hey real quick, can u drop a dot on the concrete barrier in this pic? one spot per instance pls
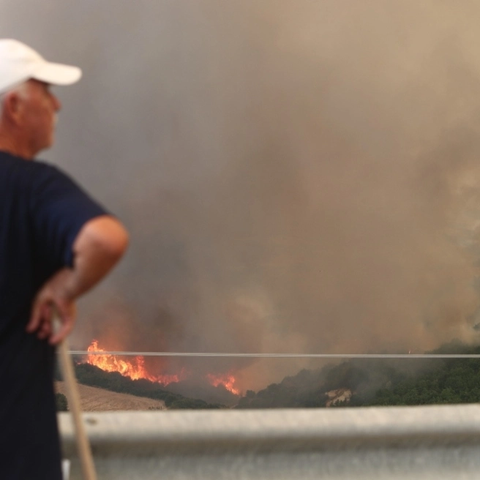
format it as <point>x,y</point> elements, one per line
<point>435,442</point>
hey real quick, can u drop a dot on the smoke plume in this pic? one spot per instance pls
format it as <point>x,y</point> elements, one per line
<point>296,176</point>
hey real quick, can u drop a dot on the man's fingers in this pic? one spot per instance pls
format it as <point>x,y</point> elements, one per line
<point>44,313</point>
<point>35,318</point>
<point>45,330</point>
<point>65,328</point>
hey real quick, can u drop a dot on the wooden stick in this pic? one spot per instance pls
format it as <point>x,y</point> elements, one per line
<point>73,398</point>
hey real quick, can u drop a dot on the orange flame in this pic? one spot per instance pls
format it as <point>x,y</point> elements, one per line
<point>134,369</point>
<point>227,380</point>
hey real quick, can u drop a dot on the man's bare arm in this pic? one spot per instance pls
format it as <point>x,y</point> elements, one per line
<point>98,247</point>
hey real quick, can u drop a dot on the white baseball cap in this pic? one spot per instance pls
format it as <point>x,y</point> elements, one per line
<point>19,62</point>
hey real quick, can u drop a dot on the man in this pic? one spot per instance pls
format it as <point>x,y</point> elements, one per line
<point>55,244</point>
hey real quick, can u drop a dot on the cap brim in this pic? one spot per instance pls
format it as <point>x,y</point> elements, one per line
<point>57,74</point>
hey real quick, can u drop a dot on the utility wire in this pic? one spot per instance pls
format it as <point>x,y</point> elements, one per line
<point>278,355</point>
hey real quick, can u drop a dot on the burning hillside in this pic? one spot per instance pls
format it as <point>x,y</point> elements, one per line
<point>135,369</point>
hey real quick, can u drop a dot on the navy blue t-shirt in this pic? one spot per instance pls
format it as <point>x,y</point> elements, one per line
<point>41,212</point>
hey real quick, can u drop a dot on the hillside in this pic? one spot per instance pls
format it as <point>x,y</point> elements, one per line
<point>358,382</point>
<point>95,399</point>
<point>113,381</point>
<point>367,382</point>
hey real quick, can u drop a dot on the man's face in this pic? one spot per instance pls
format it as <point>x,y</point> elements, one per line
<point>38,115</point>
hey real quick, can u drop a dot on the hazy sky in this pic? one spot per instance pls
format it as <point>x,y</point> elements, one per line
<point>297,176</point>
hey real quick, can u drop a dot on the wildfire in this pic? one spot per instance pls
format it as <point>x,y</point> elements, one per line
<point>227,380</point>
<point>134,369</point>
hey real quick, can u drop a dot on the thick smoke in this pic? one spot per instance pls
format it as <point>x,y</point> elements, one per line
<point>297,176</point>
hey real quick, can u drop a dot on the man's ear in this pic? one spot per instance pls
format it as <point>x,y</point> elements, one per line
<point>12,107</point>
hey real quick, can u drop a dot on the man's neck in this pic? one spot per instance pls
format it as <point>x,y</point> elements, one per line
<point>9,145</point>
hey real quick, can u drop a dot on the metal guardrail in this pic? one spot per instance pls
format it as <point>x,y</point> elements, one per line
<point>441,442</point>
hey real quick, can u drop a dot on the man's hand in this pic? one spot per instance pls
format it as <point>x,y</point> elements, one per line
<point>53,300</point>
<point>97,248</point>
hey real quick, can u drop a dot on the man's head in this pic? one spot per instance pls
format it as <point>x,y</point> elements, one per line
<point>27,106</point>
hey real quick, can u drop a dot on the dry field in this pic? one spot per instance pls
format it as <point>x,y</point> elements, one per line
<point>98,400</point>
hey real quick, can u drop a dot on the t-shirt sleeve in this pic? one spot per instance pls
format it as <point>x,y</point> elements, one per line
<point>59,209</point>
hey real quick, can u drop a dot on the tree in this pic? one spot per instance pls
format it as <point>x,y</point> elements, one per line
<point>61,402</point>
